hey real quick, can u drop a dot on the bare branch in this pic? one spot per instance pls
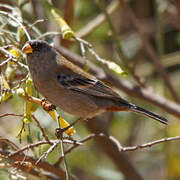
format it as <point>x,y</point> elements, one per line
<point>41,165</point>
<point>42,130</point>
<point>93,24</point>
<point>149,144</point>
<point>149,50</point>
<point>30,146</point>
<point>16,20</point>
<point>10,114</point>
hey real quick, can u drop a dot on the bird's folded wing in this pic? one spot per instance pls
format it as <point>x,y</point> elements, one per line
<point>93,87</point>
<point>74,78</point>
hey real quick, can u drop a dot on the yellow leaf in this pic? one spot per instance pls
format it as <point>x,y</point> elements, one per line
<point>65,124</point>
<point>67,32</point>
<point>29,86</point>
<point>116,68</point>
<point>27,113</point>
<point>20,34</point>
<point>62,122</point>
<point>6,94</point>
<point>52,114</point>
<point>14,52</point>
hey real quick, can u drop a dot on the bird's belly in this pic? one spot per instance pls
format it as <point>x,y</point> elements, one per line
<point>69,101</point>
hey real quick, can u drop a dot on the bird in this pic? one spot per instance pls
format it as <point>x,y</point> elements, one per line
<point>72,89</point>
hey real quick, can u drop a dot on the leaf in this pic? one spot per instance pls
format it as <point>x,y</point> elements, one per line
<point>65,124</point>
<point>27,113</point>
<point>52,114</point>
<point>14,52</point>
<point>67,32</point>
<point>6,94</point>
<point>62,123</point>
<point>116,68</point>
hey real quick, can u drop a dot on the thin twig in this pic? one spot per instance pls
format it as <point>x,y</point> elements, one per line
<point>10,114</point>
<point>5,62</point>
<point>6,6</point>
<point>49,34</point>
<point>73,147</point>
<point>42,130</point>
<point>36,22</point>
<point>20,64</point>
<point>149,50</point>
<point>97,21</point>
<point>44,155</point>
<point>7,141</point>
<point>111,65</point>
<point>46,167</point>
<point>20,82</point>
<point>121,149</point>
<point>20,132</point>
<point>118,46</point>
<point>11,58</point>
<point>149,144</point>
<point>33,99</point>
<point>65,162</point>
<point>60,137</point>
<point>16,20</point>
<point>29,146</point>
<point>6,51</point>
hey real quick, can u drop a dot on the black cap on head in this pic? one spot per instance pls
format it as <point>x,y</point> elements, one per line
<point>39,45</point>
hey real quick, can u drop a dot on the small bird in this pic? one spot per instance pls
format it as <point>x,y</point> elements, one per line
<point>69,87</point>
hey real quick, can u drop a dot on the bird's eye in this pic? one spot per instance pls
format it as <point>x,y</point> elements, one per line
<point>61,77</point>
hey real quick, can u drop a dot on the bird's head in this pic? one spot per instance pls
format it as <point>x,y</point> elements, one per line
<point>36,46</point>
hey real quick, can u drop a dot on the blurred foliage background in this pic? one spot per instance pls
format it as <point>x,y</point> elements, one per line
<point>123,40</point>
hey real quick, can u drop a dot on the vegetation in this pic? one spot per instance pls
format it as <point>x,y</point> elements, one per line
<point>133,46</point>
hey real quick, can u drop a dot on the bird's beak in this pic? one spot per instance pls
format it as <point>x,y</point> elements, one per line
<point>27,48</point>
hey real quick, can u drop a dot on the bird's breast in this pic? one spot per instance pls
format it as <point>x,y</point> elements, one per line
<point>74,103</point>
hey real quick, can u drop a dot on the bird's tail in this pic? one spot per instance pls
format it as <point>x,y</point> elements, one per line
<point>152,115</point>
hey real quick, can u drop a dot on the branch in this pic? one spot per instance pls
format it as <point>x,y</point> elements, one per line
<point>30,146</point>
<point>111,147</point>
<point>10,114</point>
<point>149,144</point>
<point>44,166</point>
<point>19,23</point>
<point>93,24</point>
<point>91,136</point>
<point>146,94</point>
<point>121,149</point>
<point>42,130</point>
<point>149,50</point>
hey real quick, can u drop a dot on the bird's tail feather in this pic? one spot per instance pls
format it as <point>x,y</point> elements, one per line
<point>152,115</point>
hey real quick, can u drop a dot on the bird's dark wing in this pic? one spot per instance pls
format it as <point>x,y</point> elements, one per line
<point>88,86</point>
<point>85,85</point>
<point>74,78</point>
